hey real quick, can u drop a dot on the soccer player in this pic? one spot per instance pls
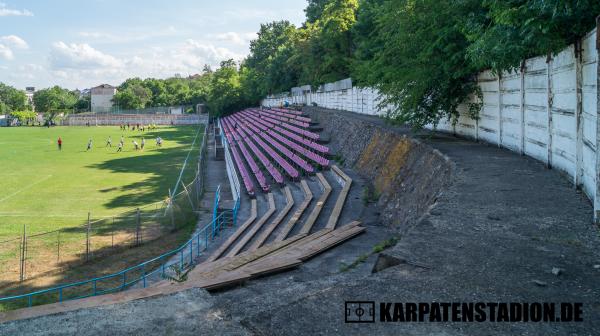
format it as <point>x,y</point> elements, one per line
<point>89,146</point>
<point>109,142</point>
<point>143,143</point>
<point>135,145</point>
<point>120,149</point>
<point>59,143</point>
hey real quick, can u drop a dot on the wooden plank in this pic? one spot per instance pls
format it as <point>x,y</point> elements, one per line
<point>339,204</point>
<point>264,268</point>
<point>240,245</point>
<point>223,280</point>
<point>312,218</point>
<point>236,234</point>
<point>269,229</point>
<point>333,242</point>
<point>292,221</point>
<point>262,252</point>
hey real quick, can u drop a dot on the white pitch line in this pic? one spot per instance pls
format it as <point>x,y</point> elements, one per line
<point>25,188</point>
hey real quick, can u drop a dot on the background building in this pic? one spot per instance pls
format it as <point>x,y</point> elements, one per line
<point>29,91</point>
<point>102,96</point>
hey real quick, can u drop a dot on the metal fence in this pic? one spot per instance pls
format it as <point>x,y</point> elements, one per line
<point>167,265</point>
<point>32,255</point>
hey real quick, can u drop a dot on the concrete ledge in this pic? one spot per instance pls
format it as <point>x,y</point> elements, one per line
<point>237,248</point>
<point>292,221</point>
<point>341,200</point>
<point>312,218</point>
<point>269,229</point>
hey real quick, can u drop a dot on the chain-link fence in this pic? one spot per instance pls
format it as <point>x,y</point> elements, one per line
<point>33,255</point>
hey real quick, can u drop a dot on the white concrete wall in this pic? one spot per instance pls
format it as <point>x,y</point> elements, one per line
<point>546,110</point>
<point>102,102</point>
<point>118,119</point>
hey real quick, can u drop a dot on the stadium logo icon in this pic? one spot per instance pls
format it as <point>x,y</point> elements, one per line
<point>360,312</point>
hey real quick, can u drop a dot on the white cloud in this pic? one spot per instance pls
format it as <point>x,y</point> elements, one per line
<point>8,44</point>
<point>241,39</point>
<point>4,11</point>
<point>28,71</point>
<point>80,56</point>
<point>6,53</point>
<point>130,36</point>
<point>196,54</point>
<point>94,35</point>
<point>14,41</point>
<point>81,65</point>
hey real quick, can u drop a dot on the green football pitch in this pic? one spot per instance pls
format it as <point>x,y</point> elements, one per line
<point>46,189</point>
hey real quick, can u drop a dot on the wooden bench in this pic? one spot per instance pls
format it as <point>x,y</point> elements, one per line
<point>312,218</point>
<point>285,231</point>
<point>284,258</point>
<point>240,245</point>
<point>341,200</point>
<point>269,229</point>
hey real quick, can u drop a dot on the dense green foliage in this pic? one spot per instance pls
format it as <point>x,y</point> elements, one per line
<point>12,99</point>
<point>24,117</point>
<point>220,90</point>
<point>423,55</point>
<point>55,100</point>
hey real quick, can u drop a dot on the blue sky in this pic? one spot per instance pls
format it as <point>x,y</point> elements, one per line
<point>80,44</point>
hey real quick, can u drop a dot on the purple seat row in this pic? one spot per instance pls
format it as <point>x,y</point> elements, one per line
<point>304,121</point>
<point>298,130</point>
<point>263,159</point>
<point>299,139</point>
<point>238,161</point>
<point>260,177</point>
<point>266,127</point>
<point>291,171</point>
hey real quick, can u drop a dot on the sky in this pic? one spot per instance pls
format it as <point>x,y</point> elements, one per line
<point>81,44</point>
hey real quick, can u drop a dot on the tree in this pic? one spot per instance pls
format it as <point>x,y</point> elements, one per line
<point>314,10</point>
<point>54,100</point>
<point>421,68</point>
<point>502,33</point>
<point>225,95</point>
<point>335,39</point>
<point>365,39</point>
<point>12,99</point>
<point>24,117</point>
<point>83,103</point>
<point>268,59</point>
<point>323,48</point>
<point>133,96</point>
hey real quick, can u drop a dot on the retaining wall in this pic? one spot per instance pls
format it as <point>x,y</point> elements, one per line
<point>546,110</point>
<point>406,175</point>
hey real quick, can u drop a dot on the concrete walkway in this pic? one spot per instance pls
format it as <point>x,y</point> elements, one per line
<point>494,236</point>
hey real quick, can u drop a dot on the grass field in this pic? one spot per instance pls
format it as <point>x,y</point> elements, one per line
<point>46,189</point>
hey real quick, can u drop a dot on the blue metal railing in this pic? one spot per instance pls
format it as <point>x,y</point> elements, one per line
<point>139,274</point>
<point>216,204</point>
